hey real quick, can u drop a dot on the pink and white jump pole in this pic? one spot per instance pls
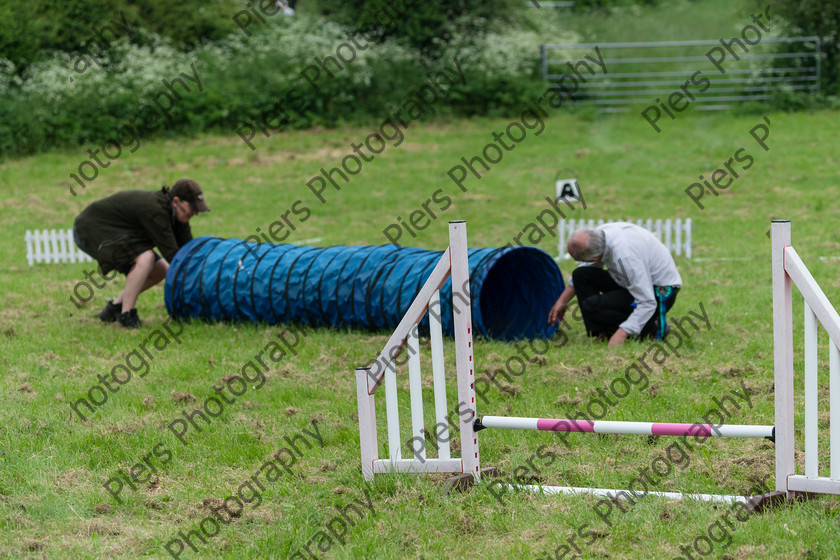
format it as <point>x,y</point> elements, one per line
<point>615,427</point>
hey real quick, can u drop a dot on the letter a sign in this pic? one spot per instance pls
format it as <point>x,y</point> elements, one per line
<point>567,190</point>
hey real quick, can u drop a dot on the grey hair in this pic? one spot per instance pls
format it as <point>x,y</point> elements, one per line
<point>586,244</point>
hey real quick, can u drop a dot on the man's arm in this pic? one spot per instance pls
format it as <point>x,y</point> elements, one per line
<point>558,310</point>
<point>159,229</point>
<point>183,234</point>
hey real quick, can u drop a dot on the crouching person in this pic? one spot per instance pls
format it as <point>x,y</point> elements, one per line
<point>122,231</point>
<point>631,297</point>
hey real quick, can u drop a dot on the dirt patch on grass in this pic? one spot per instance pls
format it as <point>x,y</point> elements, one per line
<point>178,397</point>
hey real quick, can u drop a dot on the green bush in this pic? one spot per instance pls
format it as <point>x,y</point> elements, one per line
<point>31,30</point>
<point>423,25</point>
<point>501,69</point>
<point>819,18</point>
<point>52,105</point>
<point>787,100</point>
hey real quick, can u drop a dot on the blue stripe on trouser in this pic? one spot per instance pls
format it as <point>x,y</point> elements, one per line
<point>662,295</point>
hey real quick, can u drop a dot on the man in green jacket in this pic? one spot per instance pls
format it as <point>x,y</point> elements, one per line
<point>122,230</point>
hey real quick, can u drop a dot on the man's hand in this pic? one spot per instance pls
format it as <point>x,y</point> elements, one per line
<point>558,310</point>
<point>618,337</point>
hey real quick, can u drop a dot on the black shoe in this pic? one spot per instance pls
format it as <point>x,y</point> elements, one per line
<point>130,320</point>
<point>110,312</point>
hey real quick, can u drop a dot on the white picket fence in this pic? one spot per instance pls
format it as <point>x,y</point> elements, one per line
<point>53,246</point>
<point>674,234</point>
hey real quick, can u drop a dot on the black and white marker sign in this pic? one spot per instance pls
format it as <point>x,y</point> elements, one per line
<point>567,190</point>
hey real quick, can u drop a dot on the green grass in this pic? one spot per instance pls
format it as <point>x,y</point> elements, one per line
<point>53,466</point>
<point>52,501</point>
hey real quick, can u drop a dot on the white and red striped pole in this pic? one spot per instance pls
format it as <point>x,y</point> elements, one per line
<point>615,427</point>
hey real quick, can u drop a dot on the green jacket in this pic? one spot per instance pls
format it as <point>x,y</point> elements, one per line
<point>120,227</point>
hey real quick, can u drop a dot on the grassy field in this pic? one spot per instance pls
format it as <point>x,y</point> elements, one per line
<point>294,434</point>
<point>55,466</point>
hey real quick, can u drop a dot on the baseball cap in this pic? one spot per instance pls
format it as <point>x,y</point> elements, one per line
<point>189,191</point>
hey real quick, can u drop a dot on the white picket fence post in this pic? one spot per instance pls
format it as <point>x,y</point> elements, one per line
<point>674,234</point>
<point>53,246</point>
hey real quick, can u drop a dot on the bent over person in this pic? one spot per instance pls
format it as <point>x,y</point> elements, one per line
<point>122,231</point>
<point>629,298</point>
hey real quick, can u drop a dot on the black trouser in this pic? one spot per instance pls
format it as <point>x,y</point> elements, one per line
<point>605,305</point>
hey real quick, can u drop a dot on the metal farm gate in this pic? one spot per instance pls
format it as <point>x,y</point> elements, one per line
<point>712,74</point>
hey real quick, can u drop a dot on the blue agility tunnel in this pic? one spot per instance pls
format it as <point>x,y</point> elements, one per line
<point>371,287</point>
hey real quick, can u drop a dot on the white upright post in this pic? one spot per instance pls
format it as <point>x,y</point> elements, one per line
<point>30,255</point>
<point>392,413</point>
<point>70,246</point>
<point>811,407</point>
<point>47,250</point>
<point>367,422</point>
<point>462,318</point>
<point>782,355</point>
<point>688,237</point>
<point>75,254</point>
<point>561,243</point>
<point>53,246</point>
<point>441,430</point>
<point>40,236</point>
<point>678,231</point>
<point>63,255</point>
<point>415,389</point>
<point>834,411</point>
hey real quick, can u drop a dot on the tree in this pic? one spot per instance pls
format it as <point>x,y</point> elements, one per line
<point>423,24</point>
<point>822,19</point>
<point>30,30</point>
